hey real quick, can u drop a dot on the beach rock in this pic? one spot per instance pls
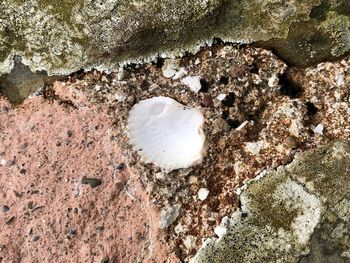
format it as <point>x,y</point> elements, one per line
<point>299,213</point>
<point>63,37</point>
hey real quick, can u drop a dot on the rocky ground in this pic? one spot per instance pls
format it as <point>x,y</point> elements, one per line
<point>73,188</point>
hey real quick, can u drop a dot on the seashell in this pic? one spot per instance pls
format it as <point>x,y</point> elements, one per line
<point>166,133</point>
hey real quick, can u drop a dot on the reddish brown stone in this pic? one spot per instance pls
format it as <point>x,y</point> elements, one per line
<point>53,216</point>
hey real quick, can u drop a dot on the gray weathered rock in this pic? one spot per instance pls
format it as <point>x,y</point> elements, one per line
<point>63,36</point>
<point>299,213</point>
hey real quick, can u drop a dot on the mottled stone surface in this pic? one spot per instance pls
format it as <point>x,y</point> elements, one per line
<point>47,148</point>
<point>259,114</point>
<point>62,37</point>
<point>281,211</point>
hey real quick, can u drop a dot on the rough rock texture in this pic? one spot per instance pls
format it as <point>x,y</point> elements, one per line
<point>62,37</point>
<point>49,150</point>
<point>325,36</point>
<point>282,210</point>
<point>259,114</point>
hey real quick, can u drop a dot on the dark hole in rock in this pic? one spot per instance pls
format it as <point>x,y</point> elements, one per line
<point>311,108</point>
<point>105,260</point>
<point>205,86</point>
<point>244,215</point>
<point>225,115</point>
<point>218,41</point>
<point>10,220</point>
<point>224,80</point>
<point>233,123</point>
<point>289,88</point>
<point>254,68</point>
<point>132,67</point>
<point>229,100</point>
<point>159,62</point>
<point>78,75</point>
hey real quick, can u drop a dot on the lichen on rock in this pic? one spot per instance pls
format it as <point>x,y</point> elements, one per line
<point>281,211</point>
<point>62,37</point>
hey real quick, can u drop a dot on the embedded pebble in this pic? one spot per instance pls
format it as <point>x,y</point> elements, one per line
<point>273,81</point>
<point>220,231</point>
<point>168,215</point>
<point>221,97</point>
<point>254,147</point>
<point>319,129</point>
<point>5,209</point>
<point>93,182</point>
<point>169,68</point>
<point>194,83</point>
<point>203,194</point>
<point>190,242</point>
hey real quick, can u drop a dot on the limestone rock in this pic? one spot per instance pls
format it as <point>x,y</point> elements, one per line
<point>63,36</point>
<point>283,210</point>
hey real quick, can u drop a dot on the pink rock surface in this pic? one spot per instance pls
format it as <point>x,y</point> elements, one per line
<point>46,148</point>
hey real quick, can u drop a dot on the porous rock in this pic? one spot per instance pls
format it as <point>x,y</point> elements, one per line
<point>65,36</point>
<point>283,210</point>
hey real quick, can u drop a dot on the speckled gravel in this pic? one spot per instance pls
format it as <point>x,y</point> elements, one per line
<point>259,113</point>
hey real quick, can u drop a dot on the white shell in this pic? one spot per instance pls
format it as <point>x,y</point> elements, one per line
<point>167,133</point>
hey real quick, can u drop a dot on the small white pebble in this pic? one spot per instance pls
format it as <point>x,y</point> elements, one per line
<point>2,162</point>
<point>168,73</point>
<point>220,231</point>
<point>273,81</point>
<point>319,129</point>
<point>190,242</point>
<point>169,68</point>
<point>340,78</point>
<point>256,79</point>
<point>203,194</point>
<point>225,220</point>
<point>197,61</point>
<point>254,147</point>
<point>194,83</point>
<point>221,97</point>
<point>179,228</point>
